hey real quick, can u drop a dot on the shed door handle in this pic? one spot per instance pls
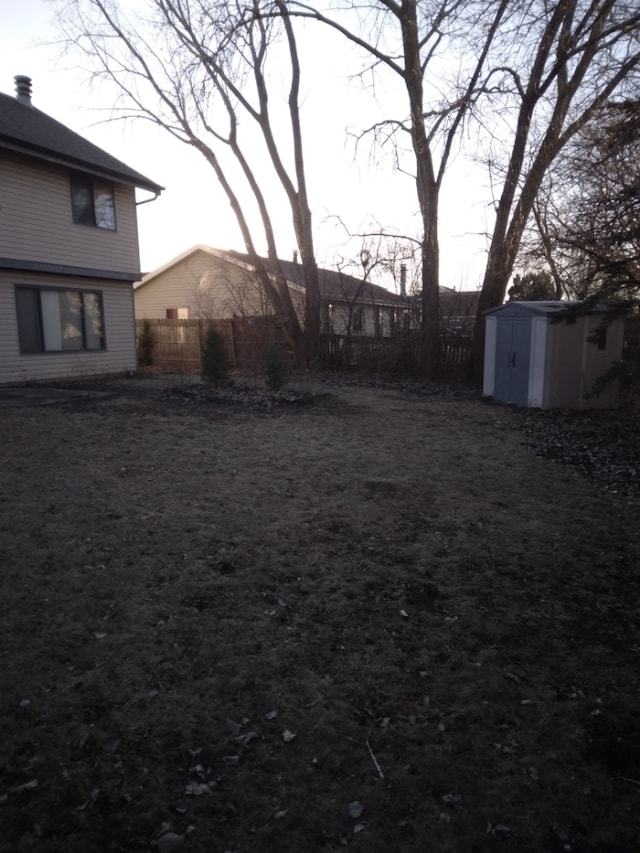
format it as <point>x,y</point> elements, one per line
<point>513,360</point>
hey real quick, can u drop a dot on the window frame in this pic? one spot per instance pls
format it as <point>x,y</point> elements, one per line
<point>85,214</point>
<point>42,321</point>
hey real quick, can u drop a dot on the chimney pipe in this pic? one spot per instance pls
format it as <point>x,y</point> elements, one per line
<point>23,89</point>
<point>403,279</point>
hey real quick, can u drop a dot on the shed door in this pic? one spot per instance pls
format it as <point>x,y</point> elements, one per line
<point>513,350</point>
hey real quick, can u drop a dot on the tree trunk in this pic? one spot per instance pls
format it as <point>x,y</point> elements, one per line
<point>427,190</point>
<point>430,325</point>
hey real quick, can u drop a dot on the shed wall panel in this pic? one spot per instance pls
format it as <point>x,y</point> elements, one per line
<point>538,358</point>
<point>488,386</point>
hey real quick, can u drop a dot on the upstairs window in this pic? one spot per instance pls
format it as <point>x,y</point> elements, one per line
<point>93,202</point>
<point>53,320</point>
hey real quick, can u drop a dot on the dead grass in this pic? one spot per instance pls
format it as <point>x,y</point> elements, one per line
<point>230,625</point>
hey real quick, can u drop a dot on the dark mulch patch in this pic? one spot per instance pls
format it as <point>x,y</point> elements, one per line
<point>240,395</point>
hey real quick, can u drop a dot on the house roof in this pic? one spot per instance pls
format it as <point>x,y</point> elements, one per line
<point>458,302</point>
<point>28,131</point>
<point>333,284</point>
<point>216,253</point>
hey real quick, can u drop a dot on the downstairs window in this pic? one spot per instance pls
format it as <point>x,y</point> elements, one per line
<point>54,320</point>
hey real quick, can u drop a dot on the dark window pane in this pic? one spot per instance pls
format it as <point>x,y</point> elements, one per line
<point>28,310</point>
<point>82,200</point>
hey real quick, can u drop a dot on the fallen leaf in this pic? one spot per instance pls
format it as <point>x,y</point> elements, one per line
<point>355,809</point>
<point>196,789</point>
<point>28,786</point>
<point>245,740</point>
<point>170,842</point>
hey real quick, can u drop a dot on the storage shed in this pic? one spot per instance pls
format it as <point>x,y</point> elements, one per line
<point>530,360</point>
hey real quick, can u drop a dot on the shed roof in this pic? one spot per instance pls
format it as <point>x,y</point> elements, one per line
<point>523,307</point>
<point>546,307</point>
<point>30,132</point>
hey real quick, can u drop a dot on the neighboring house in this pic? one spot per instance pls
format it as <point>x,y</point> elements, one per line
<point>68,249</point>
<point>206,283</point>
<point>458,309</point>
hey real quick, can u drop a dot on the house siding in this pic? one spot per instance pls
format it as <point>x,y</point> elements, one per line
<point>119,356</point>
<point>211,287</point>
<point>36,223</point>
<point>207,286</point>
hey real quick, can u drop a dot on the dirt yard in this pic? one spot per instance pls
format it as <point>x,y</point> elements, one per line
<point>373,619</point>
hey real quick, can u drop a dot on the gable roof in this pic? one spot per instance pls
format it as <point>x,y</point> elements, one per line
<point>28,131</point>
<point>333,284</point>
<point>207,250</point>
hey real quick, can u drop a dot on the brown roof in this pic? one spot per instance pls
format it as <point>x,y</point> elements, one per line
<point>459,303</point>
<point>333,283</point>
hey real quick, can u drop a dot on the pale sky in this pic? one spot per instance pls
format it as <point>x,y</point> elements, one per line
<point>193,210</point>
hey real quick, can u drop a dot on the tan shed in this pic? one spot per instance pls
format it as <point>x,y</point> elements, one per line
<point>530,360</point>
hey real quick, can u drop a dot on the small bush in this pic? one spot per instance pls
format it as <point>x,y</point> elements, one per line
<point>145,345</point>
<point>215,364</point>
<point>276,369</point>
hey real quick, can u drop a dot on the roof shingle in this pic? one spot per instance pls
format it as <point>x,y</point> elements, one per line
<point>26,130</point>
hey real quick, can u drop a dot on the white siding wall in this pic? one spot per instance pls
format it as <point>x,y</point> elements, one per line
<point>490,335</point>
<point>36,222</point>
<point>538,355</point>
<point>118,357</point>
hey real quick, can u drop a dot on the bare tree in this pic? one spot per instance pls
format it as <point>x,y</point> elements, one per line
<point>199,69</point>
<point>438,50</point>
<point>587,217</point>
<point>570,58</point>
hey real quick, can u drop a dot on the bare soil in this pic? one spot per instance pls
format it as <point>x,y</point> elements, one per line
<point>365,617</point>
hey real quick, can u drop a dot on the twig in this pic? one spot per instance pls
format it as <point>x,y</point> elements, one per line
<point>374,759</point>
<point>630,781</point>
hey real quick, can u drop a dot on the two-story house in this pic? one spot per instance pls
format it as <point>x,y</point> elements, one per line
<point>68,249</point>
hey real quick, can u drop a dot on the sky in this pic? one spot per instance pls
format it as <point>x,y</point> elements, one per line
<point>192,209</point>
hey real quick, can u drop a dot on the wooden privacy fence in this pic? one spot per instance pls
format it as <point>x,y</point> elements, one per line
<point>176,344</point>
<point>400,354</point>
